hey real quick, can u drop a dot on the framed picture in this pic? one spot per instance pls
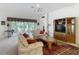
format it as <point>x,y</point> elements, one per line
<point>2,22</point>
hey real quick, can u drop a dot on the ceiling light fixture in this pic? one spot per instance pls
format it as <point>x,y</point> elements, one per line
<point>37,5</point>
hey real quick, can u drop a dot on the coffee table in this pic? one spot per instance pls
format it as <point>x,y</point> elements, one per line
<point>50,42</point>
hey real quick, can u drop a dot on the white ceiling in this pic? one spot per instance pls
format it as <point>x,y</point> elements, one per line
<point>24,9</point>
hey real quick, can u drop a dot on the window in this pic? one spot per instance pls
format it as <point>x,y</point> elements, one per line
<point>23,27</point>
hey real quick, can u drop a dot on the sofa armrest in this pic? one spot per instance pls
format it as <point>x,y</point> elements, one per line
<point>31,47</point>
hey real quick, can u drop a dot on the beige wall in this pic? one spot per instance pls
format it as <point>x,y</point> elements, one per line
<point>2,27</point>
<point>77,30</point>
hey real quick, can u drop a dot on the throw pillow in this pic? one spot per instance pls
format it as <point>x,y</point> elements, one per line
<point>25,35</point>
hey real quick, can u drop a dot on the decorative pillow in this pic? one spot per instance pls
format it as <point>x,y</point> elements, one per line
<point>25,35</point>
<point>31,41</point>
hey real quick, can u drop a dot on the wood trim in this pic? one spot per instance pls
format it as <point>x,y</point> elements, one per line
<point>20,19</point>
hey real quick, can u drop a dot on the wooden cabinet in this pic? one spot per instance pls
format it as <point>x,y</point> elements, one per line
<point>60,36</point>
<point>66,29</point>
<point>70,32</point>
<point>70,38</point>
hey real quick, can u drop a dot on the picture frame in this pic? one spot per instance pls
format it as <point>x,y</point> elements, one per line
<point>2,22</point>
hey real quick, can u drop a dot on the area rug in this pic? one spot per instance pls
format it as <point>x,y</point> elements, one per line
<point>61,50</point>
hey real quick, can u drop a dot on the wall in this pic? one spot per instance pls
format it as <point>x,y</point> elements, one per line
<point>50,25</point>
<point>47,22</point>
<point>71,11</point>
<point>43,22</point>
<point>2,27</point>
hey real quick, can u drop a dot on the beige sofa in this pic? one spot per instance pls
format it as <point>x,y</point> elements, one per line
<point>29,49</point>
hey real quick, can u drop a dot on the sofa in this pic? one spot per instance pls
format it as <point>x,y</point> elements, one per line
<point>29,49</point>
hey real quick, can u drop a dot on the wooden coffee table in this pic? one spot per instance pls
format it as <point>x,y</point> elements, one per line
<point>49,43</point>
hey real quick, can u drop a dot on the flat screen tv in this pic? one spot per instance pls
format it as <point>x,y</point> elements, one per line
<point>60,28</point>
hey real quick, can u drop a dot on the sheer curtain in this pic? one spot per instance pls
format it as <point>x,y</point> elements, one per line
<point>23,27</point>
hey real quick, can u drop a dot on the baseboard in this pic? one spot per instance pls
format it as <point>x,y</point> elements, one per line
<point>62,42</point>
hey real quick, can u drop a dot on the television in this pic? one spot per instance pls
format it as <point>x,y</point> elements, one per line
<point>60,28</point>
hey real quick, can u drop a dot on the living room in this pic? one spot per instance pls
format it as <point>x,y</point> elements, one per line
<point>36,29</point>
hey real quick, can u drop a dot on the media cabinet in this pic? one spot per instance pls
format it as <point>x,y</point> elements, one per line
<point>65,29</point>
